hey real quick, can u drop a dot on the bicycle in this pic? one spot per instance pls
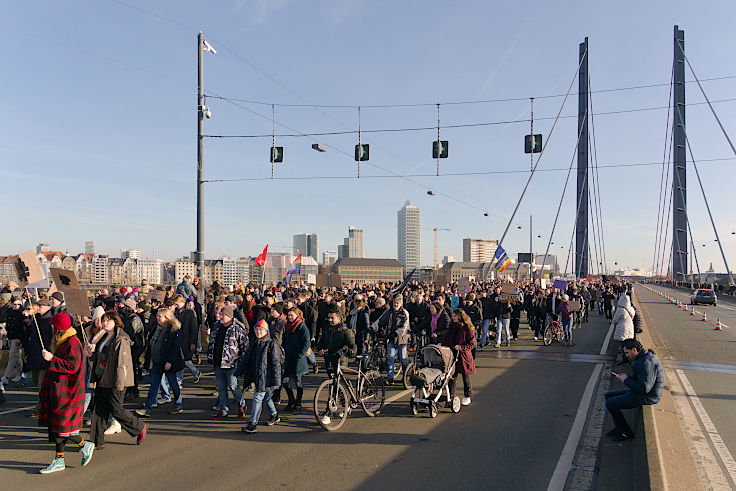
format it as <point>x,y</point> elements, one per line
<point>553,331</point>
<point>336,397</point>
<point>377,358</point>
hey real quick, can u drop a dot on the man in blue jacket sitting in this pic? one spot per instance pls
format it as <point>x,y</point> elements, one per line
<point>644,387</point>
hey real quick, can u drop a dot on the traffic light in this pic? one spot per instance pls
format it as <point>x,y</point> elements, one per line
<point>442,151</point>
<point>361,152</point>
<point>277,154</point>
<point>532,141</point>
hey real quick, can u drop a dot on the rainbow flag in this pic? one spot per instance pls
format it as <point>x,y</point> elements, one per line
<point>502,258</point>
<point>295,268</point>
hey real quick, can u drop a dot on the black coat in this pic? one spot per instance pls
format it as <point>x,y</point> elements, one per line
<point>264,365</point>
<point>310,318</point>
<point>189,330</point>
<point>14,324</point>
<point>173,348</point>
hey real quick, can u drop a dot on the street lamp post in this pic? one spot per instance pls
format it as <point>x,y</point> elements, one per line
<point>202,111</point>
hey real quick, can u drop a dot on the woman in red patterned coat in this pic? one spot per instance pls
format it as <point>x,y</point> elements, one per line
<point>61,399</point>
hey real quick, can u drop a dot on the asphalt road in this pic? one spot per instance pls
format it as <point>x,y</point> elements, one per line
<point>682,337</point>
<point>510,437</point>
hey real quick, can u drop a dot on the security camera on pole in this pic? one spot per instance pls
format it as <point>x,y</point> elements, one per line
<point>202,112</point>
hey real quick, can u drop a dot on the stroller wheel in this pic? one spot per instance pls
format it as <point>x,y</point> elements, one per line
<point>433,409</point>
<point>456,405</point>
<point>414,408</point>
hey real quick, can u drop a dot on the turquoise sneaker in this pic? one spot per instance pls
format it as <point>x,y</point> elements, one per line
<point>87,450</point>
<point>56,465</point>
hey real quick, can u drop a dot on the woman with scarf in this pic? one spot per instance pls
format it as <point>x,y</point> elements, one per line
<point>460,338</point>
<point>439,322</point>
<point>112,370</point>
<point>296,346</point>
<point>61,399</point>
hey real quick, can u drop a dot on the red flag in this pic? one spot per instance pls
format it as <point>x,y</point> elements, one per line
<point>261,259</point>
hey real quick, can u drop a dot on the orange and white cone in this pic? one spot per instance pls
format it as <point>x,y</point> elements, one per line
<point>705,317</point>
<point>692,310</point>
<point>718,325</point>
<point>684,307</point>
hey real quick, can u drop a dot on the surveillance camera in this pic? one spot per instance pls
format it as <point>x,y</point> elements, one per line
<point>207,112</point>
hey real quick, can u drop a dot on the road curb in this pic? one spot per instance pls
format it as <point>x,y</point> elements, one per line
<point>664,434</point>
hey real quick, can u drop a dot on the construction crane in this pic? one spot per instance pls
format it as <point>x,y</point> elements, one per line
<point>436,229</point>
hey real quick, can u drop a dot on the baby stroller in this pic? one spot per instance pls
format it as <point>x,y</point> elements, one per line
<point>431,381</point>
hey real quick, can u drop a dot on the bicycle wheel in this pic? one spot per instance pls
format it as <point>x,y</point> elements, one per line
<point>407,375</point>
<point>372,393</point>
<point>547,338</point>
<point>559,334</point>
<point>331,405</point>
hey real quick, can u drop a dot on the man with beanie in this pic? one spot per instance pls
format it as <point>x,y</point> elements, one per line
<point>227,351</point>
<point>276,322</point>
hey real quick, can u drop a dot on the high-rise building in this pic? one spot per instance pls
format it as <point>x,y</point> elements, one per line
<point>100,270</point>
<point>479,250</point>
<point>306,245</point>
<point>329,258</point>
<point>151,270</point>
<point>352,245</point>
<point>89,247</point>
<point>130,253</point>
<point>408,240</point>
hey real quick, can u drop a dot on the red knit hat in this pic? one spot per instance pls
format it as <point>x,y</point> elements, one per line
<point>61,321</point>
<point>123,290</point>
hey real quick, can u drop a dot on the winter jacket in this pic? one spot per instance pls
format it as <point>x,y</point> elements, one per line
<point>359,320</point>
<point>234,349</point>
<point>647,381</point>
<point>474,313</point>
<point>339,340</point>
<point>172,345</point>
<point>61,398</point>
<point>563,310</point>
<point>189,330</point>
<point>133,327</point>
<point>118,371</point>
<point>459,335</point>
<point>14,324</point>
<point>623,319</point>
<point>310,318</point>
<point>276,329</point>
<point>186,290</point>
<point>487,307</point>
<point>399,319</point>
<point>263,365</point>
<point>296,345</point>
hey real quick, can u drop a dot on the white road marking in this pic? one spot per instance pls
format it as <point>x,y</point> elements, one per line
<point>710,428</point>
<point>17,410</point>
<point>706,463</point>
<point>398,396</point>
<point>604,348</point>
<point>559,477</point>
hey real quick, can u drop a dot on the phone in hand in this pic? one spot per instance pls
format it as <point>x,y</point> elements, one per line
<point>615,374</point>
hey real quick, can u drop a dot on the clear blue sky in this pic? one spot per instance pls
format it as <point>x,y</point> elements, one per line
<point>99,128</point>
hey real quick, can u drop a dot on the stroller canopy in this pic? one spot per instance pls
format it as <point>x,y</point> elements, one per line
<point>436,356</point>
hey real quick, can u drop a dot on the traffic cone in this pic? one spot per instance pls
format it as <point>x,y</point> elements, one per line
<point>692,310</point>
<point>705,317</point>
<point>684,307</point>
<point>718,325</point>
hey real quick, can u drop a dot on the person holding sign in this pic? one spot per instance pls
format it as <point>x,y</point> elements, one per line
<point>61,400</point>
<point>37,323</point>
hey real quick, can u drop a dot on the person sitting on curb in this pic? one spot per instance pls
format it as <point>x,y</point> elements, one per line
<point>644,387</point>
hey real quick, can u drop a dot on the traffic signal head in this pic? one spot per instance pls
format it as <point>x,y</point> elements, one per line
<point>361,152</point>
<point>277,154</point>
<point>442,151</point>
<point>533,143</point>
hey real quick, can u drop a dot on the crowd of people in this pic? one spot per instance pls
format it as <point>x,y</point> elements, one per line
<point>267,336</point>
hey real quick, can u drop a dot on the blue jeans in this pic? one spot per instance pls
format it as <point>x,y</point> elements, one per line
<point>616,400</point>
<point>166,388</point>
<point>190,365</point>
<point>391,351</point>
<point>484,331</point>
<point>258,399</point>
<point>225,379</point>
<point>567,327</point>
<point>600,307</point>
<point>293,382</point>
<point>502,325</point>
<point>88,393</point>
<point>157,373</point>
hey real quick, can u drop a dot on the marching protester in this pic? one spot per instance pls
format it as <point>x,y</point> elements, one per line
<point>263,369</point>
<point>395,324</point>
<point>337,341</point>
<point>296,346</point>
<point>623,322</point>
<point>15,332</point>
<point>113,373</point>
<point>227,351</point>
<point>61,399</point>
<point>460,338</point>
<point>565,316</point>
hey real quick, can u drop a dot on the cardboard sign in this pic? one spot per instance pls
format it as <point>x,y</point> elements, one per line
<point>63,278</point>
<point>77,303</point>
<point>279,297</point>
<point>28,268</point>
<point>508,297</point>
<point>327,280</point>
<point>463,284</point>
<point>574,305</point>
<point>156,295</point>
<point>560,284</point>
<point>312,278</point>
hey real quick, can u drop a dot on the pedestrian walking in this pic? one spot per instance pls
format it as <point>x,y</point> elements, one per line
<point>461,339</point>
<point>227,351</point>
<point>263,370</point>
<point>61,399</point>
<point>296,345</point>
